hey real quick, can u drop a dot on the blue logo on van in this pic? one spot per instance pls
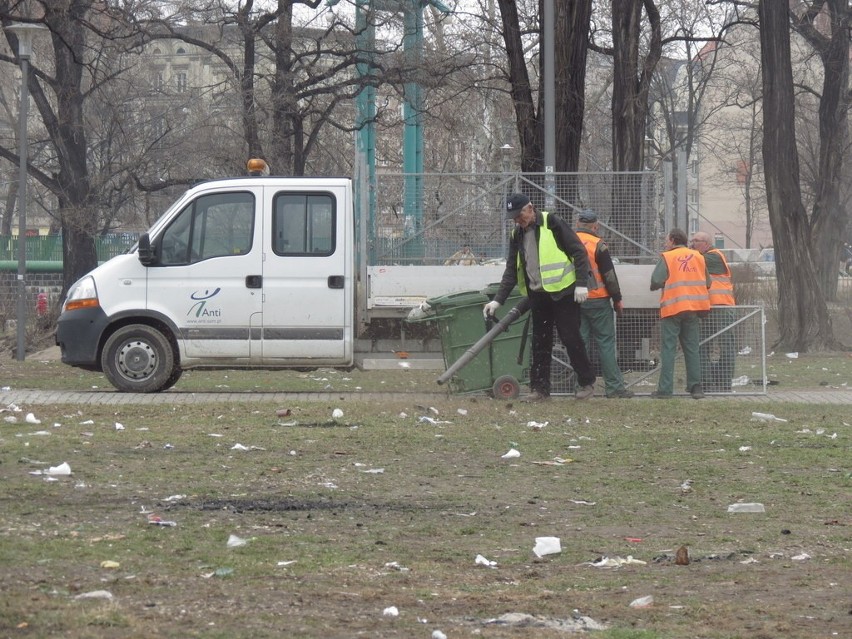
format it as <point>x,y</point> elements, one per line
<point>199,309</point>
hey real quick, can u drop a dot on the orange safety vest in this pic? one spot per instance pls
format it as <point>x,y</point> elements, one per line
<point>598,288</point>
<point>721,286</point>
<point>686,286</point>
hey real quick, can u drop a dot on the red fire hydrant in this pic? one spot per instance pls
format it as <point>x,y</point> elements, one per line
<point>41,304</point>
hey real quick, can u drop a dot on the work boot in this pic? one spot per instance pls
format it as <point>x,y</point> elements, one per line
<point>697,392</point>
<point>584,392</point>
<point>535,396</point>
<point>621,394</point>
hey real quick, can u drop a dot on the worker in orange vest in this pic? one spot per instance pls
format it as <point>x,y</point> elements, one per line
<point>682,275</point>
<point>596,318</point>
<point>717,353</point>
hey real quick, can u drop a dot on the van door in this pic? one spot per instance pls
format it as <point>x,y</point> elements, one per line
<point>307,278</point>
<point>208,275</point>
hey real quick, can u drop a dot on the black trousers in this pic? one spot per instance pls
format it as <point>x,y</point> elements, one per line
<point>564,314</point>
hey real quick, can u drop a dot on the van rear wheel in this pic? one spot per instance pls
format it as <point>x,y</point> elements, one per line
<point>138,359</point>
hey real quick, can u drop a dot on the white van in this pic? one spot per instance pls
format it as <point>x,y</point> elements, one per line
<point>253,271</point>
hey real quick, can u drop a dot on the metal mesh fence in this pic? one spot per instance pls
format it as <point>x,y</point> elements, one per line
<point>732,354</point>
<point>425,218</point>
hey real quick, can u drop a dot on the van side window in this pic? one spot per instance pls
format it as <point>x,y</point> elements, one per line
<point>303,224</point>
<point>211,226</point>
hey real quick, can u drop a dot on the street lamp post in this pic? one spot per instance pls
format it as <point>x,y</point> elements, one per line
<point>24,33</point>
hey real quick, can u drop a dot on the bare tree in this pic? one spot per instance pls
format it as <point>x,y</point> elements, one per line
<point>825,25</point>
<point>804,323</point>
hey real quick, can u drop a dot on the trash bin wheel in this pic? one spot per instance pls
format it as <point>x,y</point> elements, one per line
<point>506,387</point>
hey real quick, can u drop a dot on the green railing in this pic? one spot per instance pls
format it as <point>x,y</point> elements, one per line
<point>48,248</point>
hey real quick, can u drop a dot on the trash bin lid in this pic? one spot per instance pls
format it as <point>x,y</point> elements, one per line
<point>453,300</point>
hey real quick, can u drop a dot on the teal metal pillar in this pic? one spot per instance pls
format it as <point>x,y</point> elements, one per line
<point>365,142</point>
<point>413,134</point>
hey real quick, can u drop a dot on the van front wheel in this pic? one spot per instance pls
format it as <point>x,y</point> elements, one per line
<point>138,359</point>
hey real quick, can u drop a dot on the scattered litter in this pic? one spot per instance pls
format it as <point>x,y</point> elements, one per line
<point>395,565</point>
<point>742,380</point>
<point>523,620</point>
<point>95,594</point>
<point>337,414</point>
<point>434,410</point>
<point>222,572</point>
<point>643,602</point>
<point>556,461</point>
<point>512,453</point>
<point>686,487</point>
<point>168,446</point>
<point>766,417</point>
<point>236,542</point>
<point>792,355</point>
<point>750,560</point>
<point>482,561</point>
<point>437,634</point>
<point>32,419</point>
<point>745,350</point>
<point>10,419</point>
<point>239,447</point>
<point>390,611</point>
<point>174,498</point>
<point>633,540</point>
<point>617,562</point>
<point>286,563</point>
<point>403,415</point>
<point>88,421</point>
<point>547,546</point>
<point>374,471</point>
<point>583,502</point>
<point>62,469</point>
<point>462,411</point>
<point>156,520</point>
<point>746,508</point>
<point>119,426</point>
<point>283,412</point>
<point>801,557</point>
<point>425,419</point>
<point>744,449</point>
<point>110,564</point>
<point>536,425</point>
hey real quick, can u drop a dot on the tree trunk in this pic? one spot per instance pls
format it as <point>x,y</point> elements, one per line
<point>803,319</point>
<point>528,122</point>
<point>571,51</point>
<point>67,130</point>
<point>631,84</point>
<point>829,216</point>
<point>284,108</point>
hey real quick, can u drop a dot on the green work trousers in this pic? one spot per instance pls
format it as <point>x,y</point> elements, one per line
<point>718,353</point>
<point>597,321</point>
<point>686,328</point>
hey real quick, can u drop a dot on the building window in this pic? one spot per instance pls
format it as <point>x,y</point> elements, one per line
<point>159,81</point>
<point>180,80</point>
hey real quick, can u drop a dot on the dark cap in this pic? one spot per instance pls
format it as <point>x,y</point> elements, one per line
<point>514,204</point>
<point>587,216</point>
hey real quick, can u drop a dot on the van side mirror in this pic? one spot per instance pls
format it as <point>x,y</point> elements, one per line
<point>144,250</point>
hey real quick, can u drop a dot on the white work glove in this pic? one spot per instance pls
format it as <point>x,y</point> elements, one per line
<point>490,308</point>
<point>580,294</point>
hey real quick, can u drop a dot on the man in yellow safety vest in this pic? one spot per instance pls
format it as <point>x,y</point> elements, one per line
<point>549,265</point>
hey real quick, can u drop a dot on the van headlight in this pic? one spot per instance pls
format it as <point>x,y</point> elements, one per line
<point>82,294</point>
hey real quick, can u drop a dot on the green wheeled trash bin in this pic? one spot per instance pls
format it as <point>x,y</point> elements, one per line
<point>503,365</point>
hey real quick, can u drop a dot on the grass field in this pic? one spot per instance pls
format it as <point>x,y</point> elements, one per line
<point>390,504</point>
